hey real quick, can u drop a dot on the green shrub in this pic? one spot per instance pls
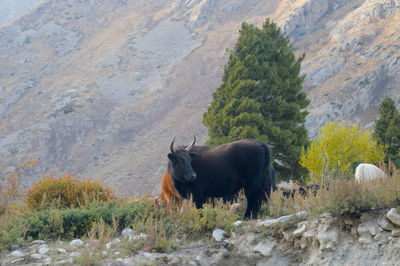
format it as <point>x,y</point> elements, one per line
<point>201,222</point>
<point>11,232</point>
<point>69,223</point>
<point>162,225</point>
<point>77,222</point>
<point>163,245</point>
<point>66,191</point>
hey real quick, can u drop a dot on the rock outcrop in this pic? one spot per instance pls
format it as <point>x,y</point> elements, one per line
<point>324,241</point>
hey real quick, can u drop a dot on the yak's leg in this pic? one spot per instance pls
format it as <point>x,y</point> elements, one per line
<point>198,200</point>
<point>230,199</point>
<point>252,204</point>
<point>256,195</point>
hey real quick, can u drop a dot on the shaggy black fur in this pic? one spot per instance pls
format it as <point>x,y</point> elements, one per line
<point>211,172</point>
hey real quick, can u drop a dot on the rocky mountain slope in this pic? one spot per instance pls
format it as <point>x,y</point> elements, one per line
<point>10,9</point>
<point>99,88</point>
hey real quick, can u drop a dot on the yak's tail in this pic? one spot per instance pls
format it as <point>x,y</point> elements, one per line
<point>269,172</point>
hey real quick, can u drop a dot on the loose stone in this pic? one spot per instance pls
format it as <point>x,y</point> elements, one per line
<point>76,243</point>
<point>393,216</point>
<point>218,234</point>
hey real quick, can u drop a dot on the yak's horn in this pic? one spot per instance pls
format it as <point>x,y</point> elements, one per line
<point>172,145</point>
<point>190,147</point>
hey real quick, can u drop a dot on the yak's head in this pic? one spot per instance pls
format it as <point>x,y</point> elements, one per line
<point>180,163</point>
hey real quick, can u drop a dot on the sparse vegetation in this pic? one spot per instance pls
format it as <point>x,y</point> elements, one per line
<point>10,186</point>
<point>343,196</point>
<point>166,228</point>
<point>101,220</point>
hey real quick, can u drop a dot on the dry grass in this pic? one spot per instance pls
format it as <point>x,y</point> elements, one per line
<point>88,258</point>
<point>167,226</point>
<point>101,233</point>
<point>344,196</point>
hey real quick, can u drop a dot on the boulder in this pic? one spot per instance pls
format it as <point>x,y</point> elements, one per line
<point>237,223</point>
<point>281,219</point>
<point>379,237</point>
<point>385,224</point>
<point>310,235</point>
<point>17,261</point>
<point>76,243</point>
<point>395,232</point>
<point>393,216</point>
<point>74,254</point>
<point>218,234</point>
<point>61,250</point>
<point>362,230</point>
<point>269,222</point>
<point>47,261</point>
<point>265,248</point>
<point>288,236</point>
<point>353,231</point>
<point>65,262</point>
<point>38,242</point>
<point>372,231</point>
<point>44,250</point>
<point>17,253</point>
<point>127,232</point>
<point>327,240</point>
<point>36,256</point>
<point>113,244</point>
<point>299,231</point>
<point>364,240</point>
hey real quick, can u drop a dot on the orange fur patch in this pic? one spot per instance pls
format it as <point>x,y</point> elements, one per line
<point>168,192</point>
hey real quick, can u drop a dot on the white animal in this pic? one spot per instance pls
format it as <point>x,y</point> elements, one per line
<point>366,172</point>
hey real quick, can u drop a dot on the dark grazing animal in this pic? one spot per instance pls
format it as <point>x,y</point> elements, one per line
<point>273,179</point>
<point>209,172</point>
<point>302,190</point>
<point>170,195</point>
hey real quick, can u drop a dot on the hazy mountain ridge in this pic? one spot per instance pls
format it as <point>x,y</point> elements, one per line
<point>99,88</point>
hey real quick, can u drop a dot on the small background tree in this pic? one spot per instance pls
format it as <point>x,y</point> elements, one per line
<point>338,147</point>
<point>261,97</point>
<point>387,130</point>
<point>11,190</point>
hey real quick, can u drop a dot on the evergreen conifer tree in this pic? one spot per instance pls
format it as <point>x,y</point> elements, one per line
<point>261,97</point>
<point>387,130</point>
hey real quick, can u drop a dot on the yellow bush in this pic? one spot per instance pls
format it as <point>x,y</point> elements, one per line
<point>66,191</point>
<point>337,147</point>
